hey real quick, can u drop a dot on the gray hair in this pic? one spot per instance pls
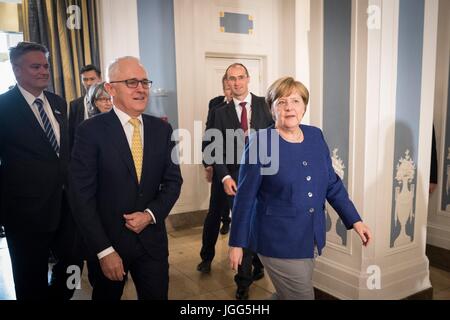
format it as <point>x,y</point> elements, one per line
<point>114,67</point>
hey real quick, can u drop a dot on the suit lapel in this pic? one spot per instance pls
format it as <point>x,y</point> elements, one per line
<point>120,142</point>
<point>232,116</point>
<point>29,117</point>
<point>148,144</point>
<point>255,121</point>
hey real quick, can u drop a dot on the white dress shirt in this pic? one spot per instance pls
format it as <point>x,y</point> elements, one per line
<point>30,98</point>
<point>128,129</point>
<point>238,107</point>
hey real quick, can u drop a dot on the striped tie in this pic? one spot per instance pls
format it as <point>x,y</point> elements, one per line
<point>136,147</point>
<point>47,125</point>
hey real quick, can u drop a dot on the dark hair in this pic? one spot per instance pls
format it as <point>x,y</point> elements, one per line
<point>237,65</point>
<point>91,67</point>
<point>22,48</point>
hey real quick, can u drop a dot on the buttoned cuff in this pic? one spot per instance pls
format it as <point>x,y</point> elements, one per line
<point>152,215</point>
<point>225,178</point>
<point>105,252</point>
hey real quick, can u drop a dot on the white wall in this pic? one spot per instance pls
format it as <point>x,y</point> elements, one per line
<point>197,35</point>
<point>118,28</point>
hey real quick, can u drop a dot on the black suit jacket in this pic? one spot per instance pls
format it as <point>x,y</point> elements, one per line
<point>227,118</point>
<point>33,175</point>
<point>76,116</point>
<point>214,104</point>
<point>105,186</point>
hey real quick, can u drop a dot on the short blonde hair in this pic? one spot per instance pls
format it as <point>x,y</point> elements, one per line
<point>284,87</point>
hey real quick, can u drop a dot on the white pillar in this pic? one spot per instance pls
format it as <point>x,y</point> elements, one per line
<point>391,195</point>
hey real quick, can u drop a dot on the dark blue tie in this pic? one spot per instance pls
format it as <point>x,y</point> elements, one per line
<point>47,125</point>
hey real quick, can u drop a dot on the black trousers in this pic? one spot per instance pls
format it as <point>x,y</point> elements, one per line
<point>70,252</point>
<point>244,276</point>
<point>150,276</point>
<point>218,208</point>
<point>30,250</point>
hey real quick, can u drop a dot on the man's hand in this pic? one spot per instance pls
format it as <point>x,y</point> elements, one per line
<point>229,185</point>
<point>112,267</point>
<point>137,221</point>
<point>363,231</point>
<point>235,255</point>
<point>209,173</point>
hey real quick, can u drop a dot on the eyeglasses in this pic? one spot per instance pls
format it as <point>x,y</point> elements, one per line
<point>133,83</point>
<point>103,99</point>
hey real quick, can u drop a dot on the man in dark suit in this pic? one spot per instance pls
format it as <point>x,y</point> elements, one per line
<point>246,112</point>
<point>78,108</point>
<point>125,183</point>
<point>218,202</point>
<point>34,153</point>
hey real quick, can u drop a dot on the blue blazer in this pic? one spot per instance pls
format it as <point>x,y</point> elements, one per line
<point>281,215</point>
<point>104,184</point>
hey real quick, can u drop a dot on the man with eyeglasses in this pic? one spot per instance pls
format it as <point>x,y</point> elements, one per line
<point>245,112</point>
<point>124,184</point>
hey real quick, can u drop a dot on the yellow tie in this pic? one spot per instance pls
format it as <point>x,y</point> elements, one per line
<point>136,147</point>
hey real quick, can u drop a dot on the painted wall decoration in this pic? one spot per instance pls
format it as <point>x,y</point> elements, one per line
<point>407,121</point>
<point>336,98</point>
<point>404,197</point>
<point>236,23</point>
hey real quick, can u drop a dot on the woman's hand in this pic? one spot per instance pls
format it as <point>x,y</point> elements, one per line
<point>235,256</point>
<point>363,231</point>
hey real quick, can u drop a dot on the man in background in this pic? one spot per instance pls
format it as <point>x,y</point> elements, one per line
<point>78,110</point>
<point>245,112</point>
<point>218,203</point>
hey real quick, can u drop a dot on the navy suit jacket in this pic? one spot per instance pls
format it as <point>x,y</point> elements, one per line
<point>33,176</point>
<point>76,116</point>
<point>282,215</point>
<point>105,186</point>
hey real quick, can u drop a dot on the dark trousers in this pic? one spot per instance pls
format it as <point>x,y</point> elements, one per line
<point>69,250</point>
<point>150,276</point>
<point>244,276</point>
<point>218,208</point>
<point>29,252</point>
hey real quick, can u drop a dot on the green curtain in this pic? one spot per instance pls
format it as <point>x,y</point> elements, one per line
<point>71,37</point>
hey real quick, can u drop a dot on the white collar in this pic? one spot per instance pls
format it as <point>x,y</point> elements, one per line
<point>247,99</point>
<point>30,98</point>
<point>123,117</point>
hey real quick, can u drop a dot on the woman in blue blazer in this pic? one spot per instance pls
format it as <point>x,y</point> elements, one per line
<point>285,177</point>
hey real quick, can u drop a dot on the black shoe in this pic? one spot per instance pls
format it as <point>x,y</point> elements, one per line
<point>242,293</point>
<point>204,266</point>
<point>225,228</point>
<point>258,273</point>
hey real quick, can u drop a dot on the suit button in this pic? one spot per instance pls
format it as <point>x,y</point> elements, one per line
<point>305,163</point>
<point>311,210</point>
<point>308,178</point>
<point>310,194</point>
